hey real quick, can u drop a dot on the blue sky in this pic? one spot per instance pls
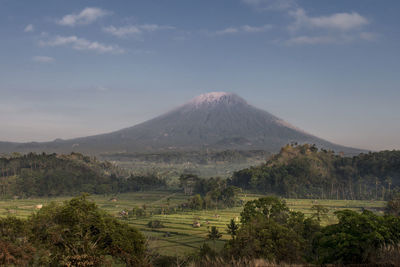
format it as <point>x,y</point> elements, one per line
<point>76,68</point>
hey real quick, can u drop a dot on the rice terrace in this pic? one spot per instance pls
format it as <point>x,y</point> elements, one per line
<point>178,237</point>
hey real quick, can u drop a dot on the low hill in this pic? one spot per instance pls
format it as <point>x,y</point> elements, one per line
<point>304,171</point>
<point>56,175</point>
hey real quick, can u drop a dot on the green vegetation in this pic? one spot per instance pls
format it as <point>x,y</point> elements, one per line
<point>211,193</point>
<point>178,236</point>
<point>303,171</point>
<point>55,175</point>
<point>342,219</point>
<point>357,237</point>
<point>393,205</point>
<point>75,233</point>
<point>270,231</point>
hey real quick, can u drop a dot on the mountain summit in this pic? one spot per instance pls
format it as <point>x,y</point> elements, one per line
<point>216,98</point>
<point>216,121</point>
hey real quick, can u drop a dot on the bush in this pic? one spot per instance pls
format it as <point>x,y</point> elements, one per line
<point>270,231</point>
<point>357,238</point>
<point>75,233</point>
<point>155,224</point>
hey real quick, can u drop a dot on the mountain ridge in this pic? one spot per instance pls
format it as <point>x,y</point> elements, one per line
<point>216,120</point>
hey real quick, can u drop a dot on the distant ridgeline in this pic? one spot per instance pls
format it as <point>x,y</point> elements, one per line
<point>55,175</point>
<point>303,171</point>
<point>200,157</point>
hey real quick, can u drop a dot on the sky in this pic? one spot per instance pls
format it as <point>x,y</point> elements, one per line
<point>72,68</point>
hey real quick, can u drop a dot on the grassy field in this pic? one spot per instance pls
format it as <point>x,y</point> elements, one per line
<point>178,236</point>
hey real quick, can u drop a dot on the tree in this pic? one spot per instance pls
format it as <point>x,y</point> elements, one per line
<point>270,231</point>
<point>268,207</point>
<point>214,234</point>
<point>232,228</point>
<point>356,238</point>
<point>267,239</point>
<point>78,233</point>
<point>188,182</point>
<point>196,202</point>
<point>15,249</point>
<point>389,182</point>
<point>319,212</point>
<point>393,206</point>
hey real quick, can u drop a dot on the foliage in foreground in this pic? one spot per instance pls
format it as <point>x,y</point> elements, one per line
<point>76,233</point>
<point>270,231</point>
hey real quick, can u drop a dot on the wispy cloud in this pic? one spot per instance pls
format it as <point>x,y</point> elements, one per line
<point>342,38</point>
<point>86,16</point>
<point>271,4</point>
<point>125,31</point>
<point>82,44</point>
<point>369,36</point>
<point>229,30</point>
<point>244,29</point>
<point>43,59</point>
<point>29,28</point>
<point>310,40</point>
<point>337,28</point>
<point>337,21</point>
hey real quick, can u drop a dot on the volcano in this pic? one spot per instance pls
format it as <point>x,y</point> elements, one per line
<point>216,121</point>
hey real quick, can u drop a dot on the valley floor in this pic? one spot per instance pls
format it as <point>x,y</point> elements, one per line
<point>178,236</point>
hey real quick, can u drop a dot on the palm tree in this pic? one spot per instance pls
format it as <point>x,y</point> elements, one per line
<point>376,188</point>
<point>389,181</point>
<point>232,228</point>
<point>214,234</point>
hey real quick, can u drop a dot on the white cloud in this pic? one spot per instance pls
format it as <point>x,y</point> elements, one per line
<point>43,59</point>
<point>271,4</point>
<point>86,16</point>
<point>82,44</point>
<point>247,28</point>
<point>122,31</point>
<point>228,31</point>
<point>337,21</point>
<point>338,28</point>
<point>343,38</point>
<point>244,29</point>
<point>29,28</point>
<point>135,29</point>
<point>310,40</point>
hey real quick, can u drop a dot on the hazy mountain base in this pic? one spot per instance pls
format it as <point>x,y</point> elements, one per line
<point>204,164</point>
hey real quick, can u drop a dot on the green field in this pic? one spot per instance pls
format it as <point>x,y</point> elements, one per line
<point>179,237</point>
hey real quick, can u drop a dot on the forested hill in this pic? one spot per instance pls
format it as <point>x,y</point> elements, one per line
<point>303,171</point>
<point>54,175</point>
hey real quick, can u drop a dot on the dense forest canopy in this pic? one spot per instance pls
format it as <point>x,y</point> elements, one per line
<point>304,171</point>
<point>209,193</point>
<point>55,175</point>
<point>297,171</point>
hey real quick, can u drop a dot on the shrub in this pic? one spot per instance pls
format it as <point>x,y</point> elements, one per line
<point>155,224</point>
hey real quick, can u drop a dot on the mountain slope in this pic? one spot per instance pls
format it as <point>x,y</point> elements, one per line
<point>215,121</point>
